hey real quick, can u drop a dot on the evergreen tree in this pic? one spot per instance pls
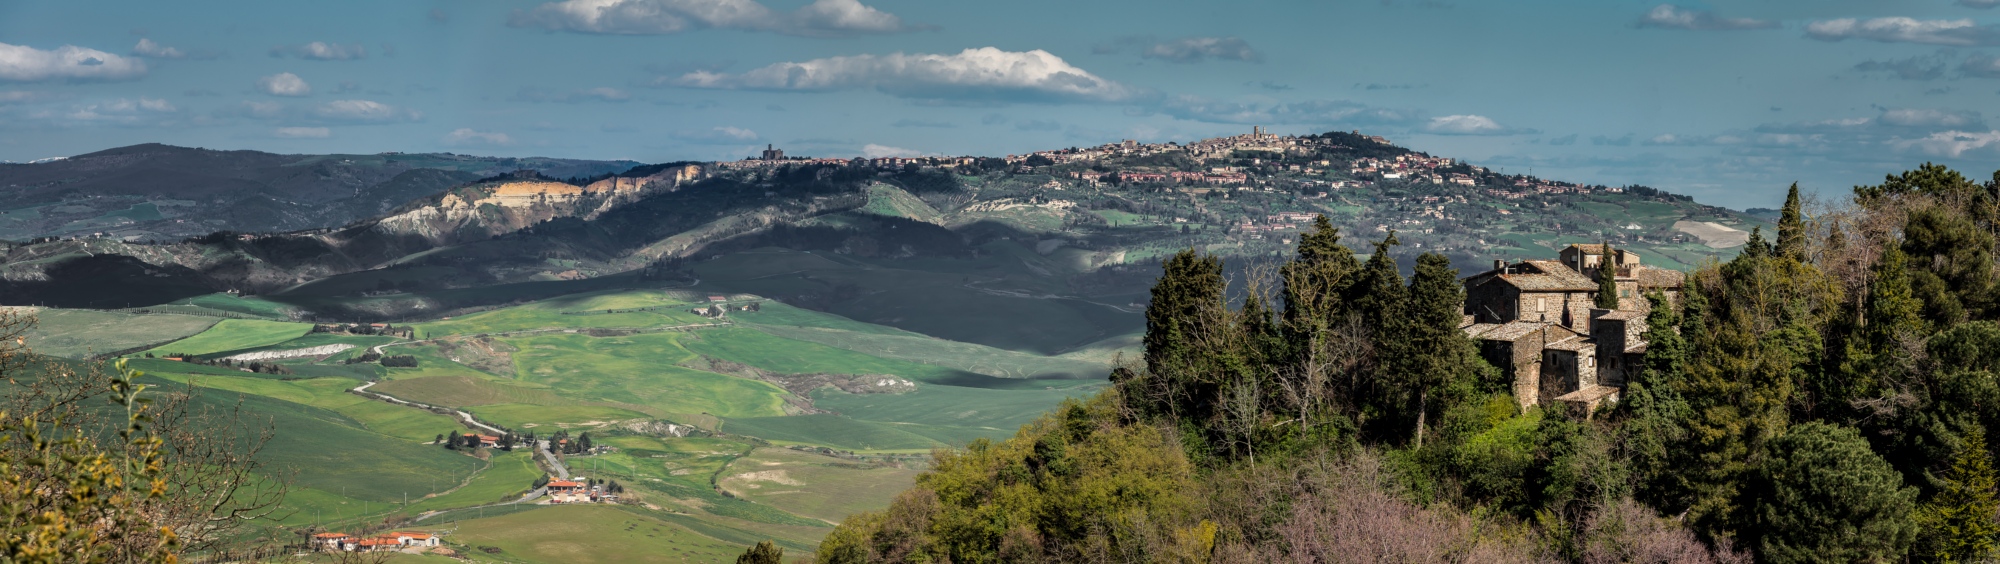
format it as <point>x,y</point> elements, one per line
<point>1654,413</point>
<point>1756,247</point>
<point>583,442</point>
<point>1958,523</point>
<point>1791,228</point>
<point>1186,310</point>
<point>1380,299</point>
<point>1315,281</point>
<point>1607,279</point>
<point>1822,496</point>
<point>1441,367</point>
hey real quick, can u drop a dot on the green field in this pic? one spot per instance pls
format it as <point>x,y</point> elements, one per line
<point>76,333</point>
<point>814,485</point>
<point>587,534</point>
<point>509,476</point>
<point>234,334</point>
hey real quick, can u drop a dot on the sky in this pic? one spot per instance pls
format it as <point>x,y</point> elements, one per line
<point>1729,101</point>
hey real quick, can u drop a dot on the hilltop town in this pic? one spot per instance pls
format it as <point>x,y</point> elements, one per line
<point>1250,193</point>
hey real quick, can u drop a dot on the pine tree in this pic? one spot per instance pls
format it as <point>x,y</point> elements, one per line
<point>1822,496</point>
<point>1791,228</point>
<point>1756,247</point>
<point>1958,523</point>
<point>1607,279</point>
<point>763,553</point>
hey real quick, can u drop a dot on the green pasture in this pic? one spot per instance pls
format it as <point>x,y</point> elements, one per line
<point>641,369</point>
<point>234,334</point>
<point>814,485</point>
<point>968,357</point>
<point>587,534</point>
<point>381,417</point>
<point>227,306</point>
<point>982,412</point>
<point>778,354</point>
<point>509,476</point>
<point>834,431</point>
<point>76,333</point>
<point>526,417</point>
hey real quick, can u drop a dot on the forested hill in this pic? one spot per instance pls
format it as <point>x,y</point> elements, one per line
<point>1828,395</point>
<point>154,191</point>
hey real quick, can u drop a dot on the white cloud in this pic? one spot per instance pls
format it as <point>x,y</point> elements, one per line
<point>365,111</point>
<point>471,138</point>
<point>121,111</point>
<point>983,73</point>
<point>1906,117</point>
<point>284,84</point>
<point>1953,144</point>
<point>718,135</point>
<point>1674,17</point>
<point>874,151</point>
<point>1195,49</point>
<point>302,132</point>
<point>1468,125</point>
<point>1981,66</point>
<point>1981,4</point>
<point>148,48</point>
<point>322,51</point>
<point>1956,33</point>
<point>822,18</point>
<point>69,62</point>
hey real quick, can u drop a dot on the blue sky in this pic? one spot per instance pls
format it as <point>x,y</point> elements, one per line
<point>1728,101</point>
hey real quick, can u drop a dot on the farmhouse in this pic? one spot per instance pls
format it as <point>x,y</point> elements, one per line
<point>1536,320</point>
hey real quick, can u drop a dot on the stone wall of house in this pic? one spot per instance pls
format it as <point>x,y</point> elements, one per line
<point>1492,302</point>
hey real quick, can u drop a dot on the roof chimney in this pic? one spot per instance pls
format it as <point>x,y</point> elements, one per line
<point>1500,264</point>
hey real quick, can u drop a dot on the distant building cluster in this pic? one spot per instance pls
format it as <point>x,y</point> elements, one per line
<point>1535,319</point>
<point>400,540</point>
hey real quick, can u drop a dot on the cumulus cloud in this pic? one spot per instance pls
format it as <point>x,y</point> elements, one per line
<point>1669,16</point>
<point>148,48</point>
<point>1982,66</point>
<point>718,135</point>
<point>68,63</point>
<point>122,111</point>
<point>468,137</point>
<point>1468,125</point>
<point>1911,117</point>
<point>599,94</point>
<point>1197,49</point>
<point>363,111</point>
<point>1312,112</point>
<point>1953,144</point>
<point>822,18</point>
<point>284,84</point>
<point>984,73</point>
<point>875,151</point>
<point>302,133</point>
<point>1925,67</point>
<point>1956,33</point>
<point>322,51</point>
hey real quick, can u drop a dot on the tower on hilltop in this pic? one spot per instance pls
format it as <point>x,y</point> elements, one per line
<point>772,153</point>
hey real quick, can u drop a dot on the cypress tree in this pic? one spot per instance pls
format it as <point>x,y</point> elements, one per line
<point>1607,279</point>
<point>1791,228</point>
<point>1380,299</point>
<point>1958,522</point>
<point>1315,281</point>
<point>1440,366</point>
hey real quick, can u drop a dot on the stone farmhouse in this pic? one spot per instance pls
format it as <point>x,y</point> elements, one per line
<point>1536,321</point>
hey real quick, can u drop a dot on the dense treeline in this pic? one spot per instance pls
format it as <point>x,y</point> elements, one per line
<point>1829,396</point>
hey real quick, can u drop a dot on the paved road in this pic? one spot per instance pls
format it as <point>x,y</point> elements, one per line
<point>462,416</point>
<point>543,446</point>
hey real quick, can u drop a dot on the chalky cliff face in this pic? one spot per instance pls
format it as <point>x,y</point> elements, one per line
<point>482,211</point>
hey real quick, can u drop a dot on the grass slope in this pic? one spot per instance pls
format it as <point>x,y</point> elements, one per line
<point>587,534</point>
<point>76,333</point>
<point>814,485</point>
<point>235,334</point>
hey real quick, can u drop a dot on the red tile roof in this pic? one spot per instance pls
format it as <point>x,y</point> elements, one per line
<point>330,536</point>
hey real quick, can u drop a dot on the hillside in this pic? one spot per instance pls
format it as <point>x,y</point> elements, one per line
<point>154,191</point>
